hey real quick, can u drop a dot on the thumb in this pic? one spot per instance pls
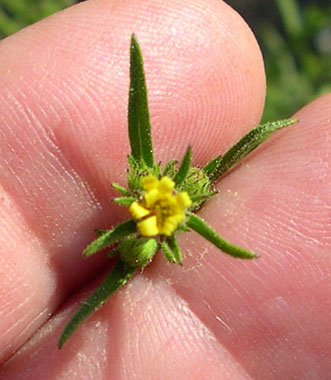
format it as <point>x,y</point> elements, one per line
<point>63,101</point>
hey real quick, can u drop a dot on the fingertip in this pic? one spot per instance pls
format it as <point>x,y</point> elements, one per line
<point>63,95</point>
<point>203,66</point>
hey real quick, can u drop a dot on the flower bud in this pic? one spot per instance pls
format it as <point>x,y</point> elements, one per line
<point>137,252</point>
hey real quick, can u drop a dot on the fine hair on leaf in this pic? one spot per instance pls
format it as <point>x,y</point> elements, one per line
<point>221,165</point>
<point>138,113</point>
<point>202,228</point>
<point>173,245</point>
<point>105,240</point>
<point>117,277</point>
<point>183,168</point>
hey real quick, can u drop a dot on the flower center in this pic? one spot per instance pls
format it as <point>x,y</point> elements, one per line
<point>161,210</point>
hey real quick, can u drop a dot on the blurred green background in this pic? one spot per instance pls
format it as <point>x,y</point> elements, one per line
<point>295,38</point>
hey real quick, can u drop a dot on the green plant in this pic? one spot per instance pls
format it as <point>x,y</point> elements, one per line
<point>298,63</point>
<point>162,199</point>
<point>16,14</point>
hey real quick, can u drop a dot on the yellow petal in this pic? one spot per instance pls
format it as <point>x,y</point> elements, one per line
<point>171,224</point>
<point>166,185</point>
<point>168,228</point>
<point>150,182</point>
<point>138,211</point>
<point>148,226</point>
<point>151,196</point>
<point>183,200</point>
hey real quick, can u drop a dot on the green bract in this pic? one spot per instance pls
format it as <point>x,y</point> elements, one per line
<point>161,198</point>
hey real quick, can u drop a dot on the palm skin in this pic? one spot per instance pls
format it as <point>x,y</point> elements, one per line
<point>64,140</point>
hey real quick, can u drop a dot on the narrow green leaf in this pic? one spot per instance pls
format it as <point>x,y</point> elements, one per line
<point>156,171</point>
<point>202,228</point>
<point>167,252</point>
<point>117,277</point>
<point>184,168</point>
<point>173,244</point>
<point>138,115</point>
<point>212,165</point>
<point>124,201</point>
<point>123,229</point>
<point>243,147</point>
<point>120,189</point>
<point>169,169</point>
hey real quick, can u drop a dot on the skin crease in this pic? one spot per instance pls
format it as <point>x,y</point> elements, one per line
<point>64,140</point>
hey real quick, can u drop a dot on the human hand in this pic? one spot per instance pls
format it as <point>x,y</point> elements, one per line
<point>64,140</point>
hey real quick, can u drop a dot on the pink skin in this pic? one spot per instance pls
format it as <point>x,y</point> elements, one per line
<point>63,99</point>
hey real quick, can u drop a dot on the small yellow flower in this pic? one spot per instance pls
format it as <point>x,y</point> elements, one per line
<point>161,210</point>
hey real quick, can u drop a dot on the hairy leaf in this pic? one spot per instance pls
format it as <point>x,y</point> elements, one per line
<point>123,229</point>
<point>138,114</point>
<point>117,277</point>
<point>202,228</point>
<point>173,244</point>
<point>184,168</point>
<point>243,147</point>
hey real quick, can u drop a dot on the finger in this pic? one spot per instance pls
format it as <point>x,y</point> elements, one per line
<point>272,313</point>
<point>64,140</point>
<point>264,314</point>
<point>144,331</point>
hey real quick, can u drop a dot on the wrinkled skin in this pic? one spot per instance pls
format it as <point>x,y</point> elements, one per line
<point>63,104</point>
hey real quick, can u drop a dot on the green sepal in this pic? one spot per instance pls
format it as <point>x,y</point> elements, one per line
<point>137,170</point>
<point>121,230</point>
<point>173,244</point>
<point>120,189</point>
<point>117,277</point>
<point>203,197</point>
<point>184,168</point>
<point>137,251</point>
<point>171,250</point>
<point>170,169</point>
<point>202,228</point>
<point>156,170</point>
<point>198,186</point>
<point>124,201</point>
<point>138,113</point>
<point>167,251</point>
<point>243,147</point>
